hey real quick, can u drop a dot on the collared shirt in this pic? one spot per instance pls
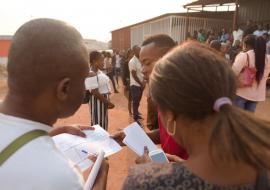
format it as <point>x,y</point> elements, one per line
<point>36,165</point>
<point>135,65</point>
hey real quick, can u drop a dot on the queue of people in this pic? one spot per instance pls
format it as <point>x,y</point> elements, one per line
<point>210,141</point>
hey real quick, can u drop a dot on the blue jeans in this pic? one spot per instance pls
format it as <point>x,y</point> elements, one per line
<point>245,104</point>
<point>136,95</point>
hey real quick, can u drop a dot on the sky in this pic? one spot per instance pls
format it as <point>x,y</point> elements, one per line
<point>95,19</point>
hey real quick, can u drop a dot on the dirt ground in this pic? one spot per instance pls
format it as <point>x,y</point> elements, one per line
<point>119,118</point>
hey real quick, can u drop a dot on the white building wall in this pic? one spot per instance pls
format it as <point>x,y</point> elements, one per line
<point>141,32</point>
<point>178,28</point>
<point>137,35</point>
<point>175,26</point>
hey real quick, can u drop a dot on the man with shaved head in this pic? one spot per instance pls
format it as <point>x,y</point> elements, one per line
<point>47,66</point>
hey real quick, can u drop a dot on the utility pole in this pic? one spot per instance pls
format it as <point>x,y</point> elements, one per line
<point>235,17</point>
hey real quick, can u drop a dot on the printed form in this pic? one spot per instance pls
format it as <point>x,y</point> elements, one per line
<point>78,149</point>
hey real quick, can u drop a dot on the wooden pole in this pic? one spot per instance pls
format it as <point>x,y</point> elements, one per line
<point>235,17</point>
<point>202,5</point>
<point>187,24</point>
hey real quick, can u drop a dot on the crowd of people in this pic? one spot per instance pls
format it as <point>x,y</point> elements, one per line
<point>199,109</point>
<point>228,42</point>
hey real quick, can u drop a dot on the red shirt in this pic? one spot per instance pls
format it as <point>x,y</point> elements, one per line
<point>168,144</point>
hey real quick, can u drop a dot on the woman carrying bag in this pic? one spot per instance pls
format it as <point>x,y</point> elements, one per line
<point>252,68</point>
<point>98,85</point>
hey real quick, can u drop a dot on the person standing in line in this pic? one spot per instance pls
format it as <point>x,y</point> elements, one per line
<point>98,85</point>
<point>108,69</point>
<point>237,35</point>
<point>126,77</point>
<point>254,56</point>
<point>137,83</point>
<point>117,70</point>
<point>152,49</point>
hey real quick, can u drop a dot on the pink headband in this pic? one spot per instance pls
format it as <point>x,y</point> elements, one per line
<point>221,102</point>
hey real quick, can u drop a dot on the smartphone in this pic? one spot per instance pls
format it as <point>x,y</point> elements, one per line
<point>158,156</point>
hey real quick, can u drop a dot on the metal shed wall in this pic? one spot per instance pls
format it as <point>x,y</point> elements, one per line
<point>121,39</point>
<point>258,11</point>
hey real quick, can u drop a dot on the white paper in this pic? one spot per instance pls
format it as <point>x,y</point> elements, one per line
<point>94,171</point>
<point>136,139</point>
<point>77,149</point>
<point>85,164</point>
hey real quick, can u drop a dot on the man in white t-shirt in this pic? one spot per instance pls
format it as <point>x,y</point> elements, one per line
<point>137,83</point>
<point>117,66</point>
<point>237,35</point>
<point>47,66</point>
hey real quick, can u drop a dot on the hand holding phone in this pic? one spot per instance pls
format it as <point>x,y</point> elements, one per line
<point>158,156</point>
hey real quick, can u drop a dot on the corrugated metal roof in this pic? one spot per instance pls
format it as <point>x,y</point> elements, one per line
<point>190,14</point>
<point>149,20</point>
<point>209,2</point>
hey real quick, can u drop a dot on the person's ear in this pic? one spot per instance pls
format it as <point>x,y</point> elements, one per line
<point>63,89</point>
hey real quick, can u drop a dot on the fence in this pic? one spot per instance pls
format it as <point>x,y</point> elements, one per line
<point>176,27</point>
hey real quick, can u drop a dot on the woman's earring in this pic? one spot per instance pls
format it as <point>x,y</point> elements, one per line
<point>172,133</point>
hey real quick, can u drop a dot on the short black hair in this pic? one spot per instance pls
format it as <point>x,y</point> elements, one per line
<point>94,55</point>
<point>266,34</point>
<point>160,40</point>
<point>215,44</point>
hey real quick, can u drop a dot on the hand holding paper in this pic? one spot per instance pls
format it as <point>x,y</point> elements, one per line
<point>136,139</point>
<point>77,149</point>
